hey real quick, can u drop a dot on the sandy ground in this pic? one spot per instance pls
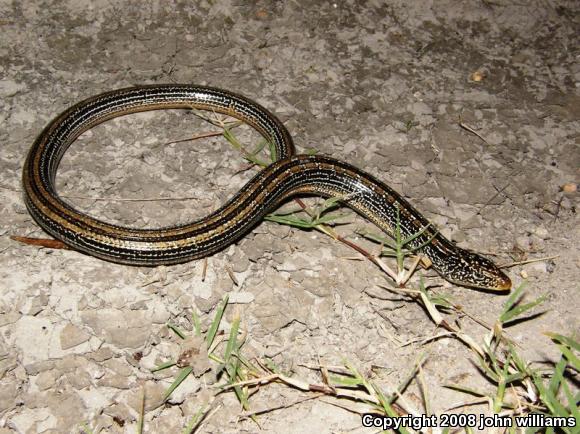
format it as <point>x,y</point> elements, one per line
<point>382,86</point>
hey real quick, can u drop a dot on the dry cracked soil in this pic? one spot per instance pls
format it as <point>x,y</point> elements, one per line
<point>469,109</point>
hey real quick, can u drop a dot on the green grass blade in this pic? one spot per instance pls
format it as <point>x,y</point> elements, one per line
<point>272,366</point>
<point>418,234</point>
<point>141,421</point>
<point>290,221</point>
<point>86,428</point>
<point>464,389</point>
<point>567,346</point>
<point>502,383</point>
<point>344,381</point>
<point>575,345</point>
<point>440,300</point>
<point>196,418</point>
<point>260,147</point>
<point>176,330</point>
<point>232,341</point>
<point>518,376</point>
<point>512,299</point>
<point>376,238</point>
<point>518,310</point>
<point>272,149</point>
<point>491,374</point>
<point>196,323</point>
<point>230,137</point>
<point>355,373</point>
<point>235,375</point>
<point>423,244</point>
<point>572,359</point>
<point>549,399</point>
<point>557,376</point>
<point>519,363</point>
<point>216,322</point>
<point>331,203</point>
<point>328,219</point>
<point>387,408</point>
<point>163,366</point>
<point>572,403</point>
<point>178,380</point>
<point>249,366</point>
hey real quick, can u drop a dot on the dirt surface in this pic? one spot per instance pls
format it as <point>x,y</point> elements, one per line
<point>384,87</point>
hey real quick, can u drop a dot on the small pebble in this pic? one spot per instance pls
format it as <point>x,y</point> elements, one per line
<point>478,76</point>
<point>569,187</point>
<point>241,297</point>
<point>523,242</point>
<point>541,232</point>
